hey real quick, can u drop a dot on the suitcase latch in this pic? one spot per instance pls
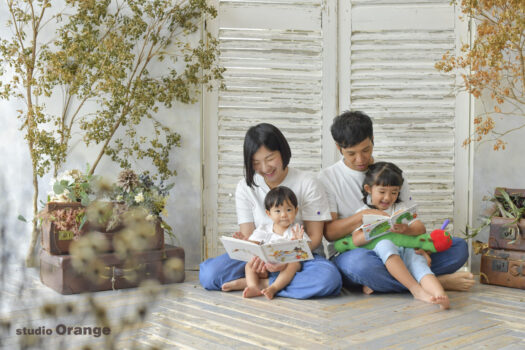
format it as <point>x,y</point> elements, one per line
<point>516,270</point>
<point>500,265</point>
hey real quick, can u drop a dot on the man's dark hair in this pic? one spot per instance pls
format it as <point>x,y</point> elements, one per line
<point>266,135</point>
<point>278,196</point>
<point>352,128</point>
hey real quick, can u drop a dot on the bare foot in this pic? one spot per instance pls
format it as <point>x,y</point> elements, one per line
<point>420,294</point>
<point>250,292</point>
<point>442,300</point>
<point>239,284</point>
<point>367,290</point>
<point>269,292</point>
<point>459,281</point>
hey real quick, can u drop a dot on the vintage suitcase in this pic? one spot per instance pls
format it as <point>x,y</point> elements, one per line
<point>503,268</point>
<point>57,240</point>
<point>110,272</point>
<point>506,235</point>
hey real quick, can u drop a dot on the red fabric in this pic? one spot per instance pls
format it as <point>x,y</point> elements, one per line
<point>441,239</point>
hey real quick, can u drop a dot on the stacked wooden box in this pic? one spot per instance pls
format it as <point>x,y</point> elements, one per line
<point>154,260</point>
<point>503,263</point>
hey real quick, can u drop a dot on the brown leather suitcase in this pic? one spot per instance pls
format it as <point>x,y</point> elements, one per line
<point>506,235</point>
<point>503,268</point>
<point>110,272</point>
<point>57,241</point>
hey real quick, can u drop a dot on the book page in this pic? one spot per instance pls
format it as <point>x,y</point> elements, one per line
<point>239,249</point>
<point>287,251</point>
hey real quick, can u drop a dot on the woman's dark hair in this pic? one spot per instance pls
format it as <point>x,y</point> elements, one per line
<point>278,196</point>
<point>382,174</point>
<point>351,128</point>
<point>266,135</point>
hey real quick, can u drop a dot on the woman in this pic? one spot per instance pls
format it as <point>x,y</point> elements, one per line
<point>266,158</point>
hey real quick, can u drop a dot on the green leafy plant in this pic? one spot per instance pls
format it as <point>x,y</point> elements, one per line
<point>511,206</point>
<point>104,54</point>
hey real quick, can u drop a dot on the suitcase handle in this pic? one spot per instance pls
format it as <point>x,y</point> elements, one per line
<point>118,272</point>
<point>516,270</point>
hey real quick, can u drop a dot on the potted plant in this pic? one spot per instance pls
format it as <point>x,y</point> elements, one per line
<point>103,54</point>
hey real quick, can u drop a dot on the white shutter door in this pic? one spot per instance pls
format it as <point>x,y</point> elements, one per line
<point>273,53</point>
<point>392,51</point>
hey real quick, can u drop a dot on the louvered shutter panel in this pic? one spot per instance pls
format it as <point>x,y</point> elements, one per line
<point>393,48</point>
<point>273,53</point>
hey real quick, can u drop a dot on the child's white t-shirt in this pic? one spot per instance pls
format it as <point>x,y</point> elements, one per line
<point>264,233</point>
<point>311,198</point>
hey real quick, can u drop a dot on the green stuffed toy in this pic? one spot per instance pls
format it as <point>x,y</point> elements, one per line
<point>437,241</point>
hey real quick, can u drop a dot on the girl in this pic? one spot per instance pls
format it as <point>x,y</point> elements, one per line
<point>381,187</point>
<point>266,158</point>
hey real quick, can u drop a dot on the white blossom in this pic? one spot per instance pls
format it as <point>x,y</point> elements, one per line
<point>139,197</point>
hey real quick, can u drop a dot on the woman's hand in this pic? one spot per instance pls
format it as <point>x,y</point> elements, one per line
<point>399,228</point>
<point>275,267</point>
<point>297,232</point>
<point>258,265</point>
<point>239,235</point>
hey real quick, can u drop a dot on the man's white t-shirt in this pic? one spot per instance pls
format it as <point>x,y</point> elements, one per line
<point>343,187</point>
<point>311,198</point>
<point>264,233</point>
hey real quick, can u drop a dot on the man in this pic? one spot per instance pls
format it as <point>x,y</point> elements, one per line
<point>353,136</point>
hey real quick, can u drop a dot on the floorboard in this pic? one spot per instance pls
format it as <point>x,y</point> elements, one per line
<point>185,316</point>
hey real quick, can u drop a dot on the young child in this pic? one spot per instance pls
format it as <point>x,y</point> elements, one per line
<point>381,187</point>
<point>281,207</point>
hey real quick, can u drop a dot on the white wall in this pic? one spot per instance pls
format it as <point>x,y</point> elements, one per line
<point>184,205</point>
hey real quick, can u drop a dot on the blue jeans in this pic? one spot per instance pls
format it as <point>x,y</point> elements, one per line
<point>363,267</point>
<point>318,277</point>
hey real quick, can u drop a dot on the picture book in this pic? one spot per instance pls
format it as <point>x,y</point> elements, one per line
<point>279,252</point>
<point>377,225</point>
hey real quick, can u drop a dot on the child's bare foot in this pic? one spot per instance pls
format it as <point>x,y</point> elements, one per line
<point>420,294</point>
<point>250,292</point>
<point>442,300</point>
<point>367,290</point>
<point>459,281</point>
<point>269,292</point>
<point>239,284</point>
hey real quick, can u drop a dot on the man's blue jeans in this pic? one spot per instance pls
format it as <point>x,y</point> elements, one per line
<point>363,267</point>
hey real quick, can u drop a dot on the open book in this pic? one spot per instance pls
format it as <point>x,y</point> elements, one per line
<point>279,252</point>
<point>377,225</point>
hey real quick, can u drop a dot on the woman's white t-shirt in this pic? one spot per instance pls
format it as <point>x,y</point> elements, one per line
<point>311,198</point>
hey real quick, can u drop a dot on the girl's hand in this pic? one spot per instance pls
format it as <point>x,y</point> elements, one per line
<point>275,267</point>
<point>297,232</point>
<point>258,265</point>
<point>399,228</point>
<point>239,235</point>
<point>425,254</point>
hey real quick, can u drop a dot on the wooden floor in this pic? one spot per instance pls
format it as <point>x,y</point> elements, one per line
<point>185,316</point>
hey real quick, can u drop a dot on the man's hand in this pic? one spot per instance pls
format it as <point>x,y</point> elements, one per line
<point>425,254</point>
<point>275,267</point>
<point>373,212</point>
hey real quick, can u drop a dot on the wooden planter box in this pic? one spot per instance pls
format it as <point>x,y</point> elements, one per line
<point>57,242</point>
<point>505,235</point>
<point>57,271</point>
